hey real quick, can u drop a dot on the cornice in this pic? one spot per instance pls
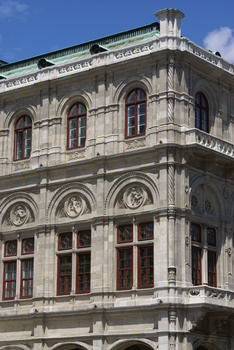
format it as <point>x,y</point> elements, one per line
<point>115,56</point>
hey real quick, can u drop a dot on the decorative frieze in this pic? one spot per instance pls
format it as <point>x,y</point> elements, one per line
<point>137,143</point>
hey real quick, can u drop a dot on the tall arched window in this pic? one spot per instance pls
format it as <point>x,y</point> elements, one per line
<point>76,126</point>
<point>23,138</point>
<point>135,117</point>
<point>201,112</point>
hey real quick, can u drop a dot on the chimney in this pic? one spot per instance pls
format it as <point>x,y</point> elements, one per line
<point>170,22</point>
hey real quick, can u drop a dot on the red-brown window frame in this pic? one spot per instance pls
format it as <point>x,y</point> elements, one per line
<point>76,116</point>
<point>145,223</point>
<point>147,285</point>
<point>198,249</point>
<point>26,279</point>
<point>135,103</point>
<point>118,234</point>
<point>118,269</point>
<point>78,236</point>
<point>8,255</point>
<point>59,240</point>
<point>78,288</point>
<point>9,281</point>
<point>202,108</point>
<point>58,275</point>
<point>27,239</point>
<point>211,272</point>
<point>23,128</point>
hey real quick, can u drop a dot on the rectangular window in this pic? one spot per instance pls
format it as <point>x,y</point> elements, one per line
<point>125,234</point>
<point>211,268</point>
<point>196,266</point>
<point>124,268</point>
<point>145,267</point>
<point>11,248</point>
<point>9,283</point>
<point>65,241</point>
<point>195,233</point>
<point>27,278</point>
<point>64,274</point>
<point>146,231</point>
<point>83,272</point>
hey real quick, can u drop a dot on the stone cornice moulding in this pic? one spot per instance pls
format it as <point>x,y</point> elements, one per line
<point>112,57</point>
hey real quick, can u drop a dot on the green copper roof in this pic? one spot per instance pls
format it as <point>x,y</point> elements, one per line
<point>72,53</point>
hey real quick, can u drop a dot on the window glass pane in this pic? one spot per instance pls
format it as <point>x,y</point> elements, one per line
<point>27,143</point>
<point>197,118</point>
<point>203,101</point>
<point>131,111</point>
<point>82,122</point>
<point>19,144</point>
<point>211,236</point>
<point>146,267</point>
<point>65,241</point>
<point>20,123</point>
<point>146,231</point>
<point>203,120</point>
<point>131,97</point>
<point>81,109</point>
<point>73,110</point>
<point>64,274</point>
<point>84,239</point>
<point>140,95</point>
<point>212,268</point>
<point>125,268</point>
<point>195,233</point>
<point>125,233</point>
<point>27,121</point>
<point>197,99</point>
<point>196,266</point>
<point>83,272</point>
<point>28,246</point>
<point>11,248</point>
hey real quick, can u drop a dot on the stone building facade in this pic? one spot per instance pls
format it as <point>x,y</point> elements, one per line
<point>117,195</point>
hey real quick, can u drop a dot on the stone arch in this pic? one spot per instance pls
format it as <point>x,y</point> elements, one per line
<point>129,180</point>
<point>213,190</point>
<point>13,115</point>
<point>78,192</point>
<point>133,344</point>
<point>129,84</point>
<point>68,100</point>
<point>12,202</point>
<point>14,347</point>
<point>71,346</point>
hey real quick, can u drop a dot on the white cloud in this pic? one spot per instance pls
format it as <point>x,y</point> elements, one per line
<point>12,8</point>
<point>221,40</point>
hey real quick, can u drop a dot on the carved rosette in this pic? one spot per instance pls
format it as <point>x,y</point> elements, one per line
<point>19,214</point>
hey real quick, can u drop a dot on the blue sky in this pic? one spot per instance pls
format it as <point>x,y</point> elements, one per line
<point>33,27</point>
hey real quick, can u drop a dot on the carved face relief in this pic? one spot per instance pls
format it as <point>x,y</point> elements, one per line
<point>19,214</point>
<point>134,197</point>
<point>73,206</point>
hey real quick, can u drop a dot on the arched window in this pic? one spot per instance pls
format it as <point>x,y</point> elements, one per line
<point>23,138</point>
<point>135,117</point>
<point>201,112</point>
<point>76,126</point>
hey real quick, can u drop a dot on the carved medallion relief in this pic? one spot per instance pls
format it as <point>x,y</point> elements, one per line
<point>73,205</point>
<point>18,215</point>
<point>134,196</point>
